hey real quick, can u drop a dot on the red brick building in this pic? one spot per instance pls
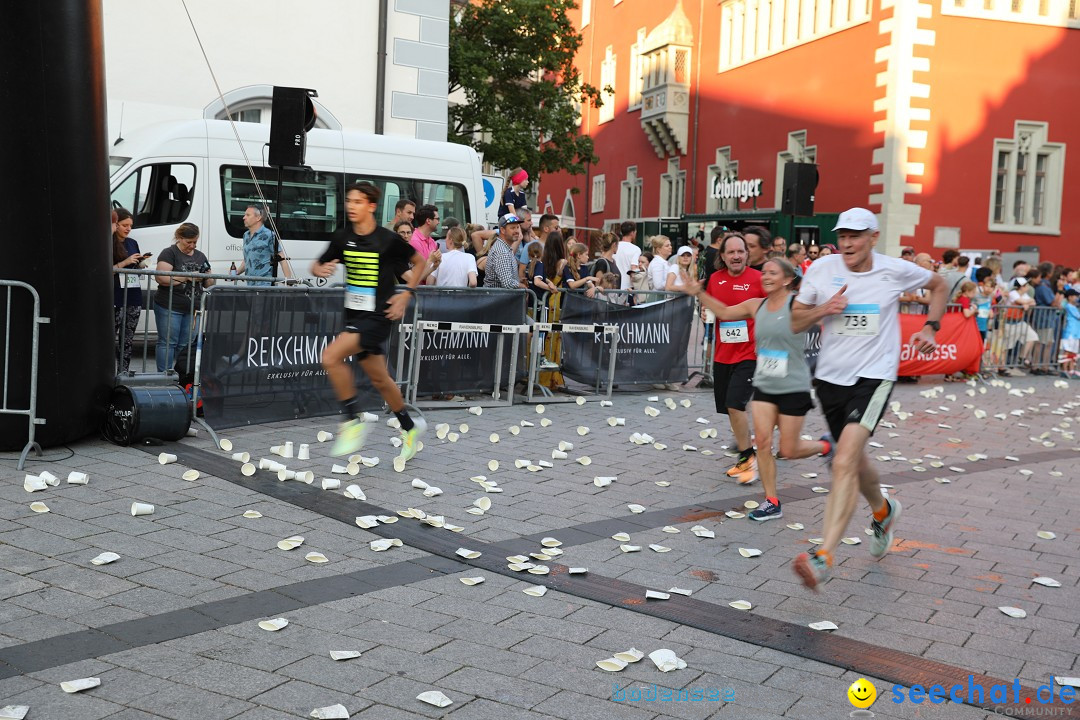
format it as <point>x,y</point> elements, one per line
<point>949,118</point>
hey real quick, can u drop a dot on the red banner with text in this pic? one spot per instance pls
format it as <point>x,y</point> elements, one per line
<point>959,346</point>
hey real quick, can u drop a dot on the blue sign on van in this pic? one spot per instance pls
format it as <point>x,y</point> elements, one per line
<point>489,192</point>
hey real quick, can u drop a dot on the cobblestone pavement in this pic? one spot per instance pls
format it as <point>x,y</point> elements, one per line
<point>171,628</point>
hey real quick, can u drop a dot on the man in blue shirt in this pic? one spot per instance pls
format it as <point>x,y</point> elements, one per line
<point>1046,320</point>
<point>258,247</point>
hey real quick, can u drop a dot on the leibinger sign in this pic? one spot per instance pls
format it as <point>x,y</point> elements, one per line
<point>725,189</point>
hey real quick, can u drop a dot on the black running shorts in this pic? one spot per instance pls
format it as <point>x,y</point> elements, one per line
<point>863,403</point>
<point>795,404</point>
<point>733,385</point>
<point>374,330</point>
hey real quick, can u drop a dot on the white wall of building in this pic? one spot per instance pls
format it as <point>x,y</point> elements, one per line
<point>155,70</point>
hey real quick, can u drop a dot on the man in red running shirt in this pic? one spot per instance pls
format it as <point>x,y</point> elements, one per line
<point>735,359</point>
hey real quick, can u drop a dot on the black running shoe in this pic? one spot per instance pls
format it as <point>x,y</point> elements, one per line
<point>766,511</point>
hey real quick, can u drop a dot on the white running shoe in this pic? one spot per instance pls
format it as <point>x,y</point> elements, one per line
<point>883,531</point>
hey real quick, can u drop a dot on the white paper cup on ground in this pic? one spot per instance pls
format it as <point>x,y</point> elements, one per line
<point>241,456</point>
<point>666,660</point>
<point>105,558</point>
<point>273,625</point>
<point>49,478</point>
<point>353,492</point>
<point>191,475</point>
<point>247,469</point>
<point>225,444</point>
<point>33,483</point>
<point>77,478</point>
<point>39,507</point>
<point>286,474</point>
<point>14,712</point>
<point>331,712</point>
<point>324,436</point>
<point>287,449</point>
<point>74,686</point>
<point>434,697</point>
<point>305,476</point>
<point>138,508</point>
<point>331,484</point>
<point>304,452</point>
<point>166,458</point>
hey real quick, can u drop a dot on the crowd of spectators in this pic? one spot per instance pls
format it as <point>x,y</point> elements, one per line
<point>1029,321</point>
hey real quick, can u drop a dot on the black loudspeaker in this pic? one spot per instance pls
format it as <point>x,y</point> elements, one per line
<point>800,183</point>
<point>137,413</point>
<point>292,115</point>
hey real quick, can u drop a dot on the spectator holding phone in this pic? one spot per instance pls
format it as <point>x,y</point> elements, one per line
<point>127,293</point>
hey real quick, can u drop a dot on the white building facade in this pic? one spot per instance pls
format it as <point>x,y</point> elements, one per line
<point>155,69</point>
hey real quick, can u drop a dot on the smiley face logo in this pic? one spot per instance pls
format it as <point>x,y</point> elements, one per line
<point>862,693</point>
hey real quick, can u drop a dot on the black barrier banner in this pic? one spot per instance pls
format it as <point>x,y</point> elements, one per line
<point>653,340</point>
<point>261,356</point>
<point>461,359</point>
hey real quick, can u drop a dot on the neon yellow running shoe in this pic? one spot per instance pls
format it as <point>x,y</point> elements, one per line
<point>410,440</point>
<point>350,437</point>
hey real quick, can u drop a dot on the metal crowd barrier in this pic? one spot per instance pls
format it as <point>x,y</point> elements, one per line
<point>702,345</point>
<point>1022,339</point>
<point>30,411</point>
<point>549,347</point>
<point>150,289</point>
<point>185,366</point>
<point>536,350</point>
<point>432,314</point>
<point>420,327</point>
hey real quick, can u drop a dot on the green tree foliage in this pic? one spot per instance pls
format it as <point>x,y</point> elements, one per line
<point>514,62</point>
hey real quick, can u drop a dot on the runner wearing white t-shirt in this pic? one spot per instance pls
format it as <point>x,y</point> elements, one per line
<point>855,295</point>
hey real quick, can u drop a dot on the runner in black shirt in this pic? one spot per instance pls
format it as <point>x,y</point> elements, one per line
<point>371,255</point>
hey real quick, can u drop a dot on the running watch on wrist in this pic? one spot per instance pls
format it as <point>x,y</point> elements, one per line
<point>933,324</point>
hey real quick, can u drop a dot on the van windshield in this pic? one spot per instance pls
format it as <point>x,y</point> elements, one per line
<point>312,201</point>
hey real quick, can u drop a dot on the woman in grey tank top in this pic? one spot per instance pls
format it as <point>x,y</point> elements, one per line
<point>781,380</point>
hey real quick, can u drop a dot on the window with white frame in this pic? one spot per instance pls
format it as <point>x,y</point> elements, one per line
<point>797,151</point>
<point>1055,13</point>
<point>607,86</point>
<point>586,12</point>
<point>568,213</point>
<point>724,169</point>
<point>637,80</point>
<point>672,190</point>
<point>597,196</point>
<point>1026,184</point>
<point>753,29</point>
<point>630,197</point>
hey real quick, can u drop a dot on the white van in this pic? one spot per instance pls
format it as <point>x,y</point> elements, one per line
<point>195,171</point>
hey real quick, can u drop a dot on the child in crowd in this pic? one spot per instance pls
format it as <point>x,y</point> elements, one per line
<point>986,294</point>
<point>965,298</point>
<point>534,272</point>
<point>1070,338</point>
<point>608,281</point>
